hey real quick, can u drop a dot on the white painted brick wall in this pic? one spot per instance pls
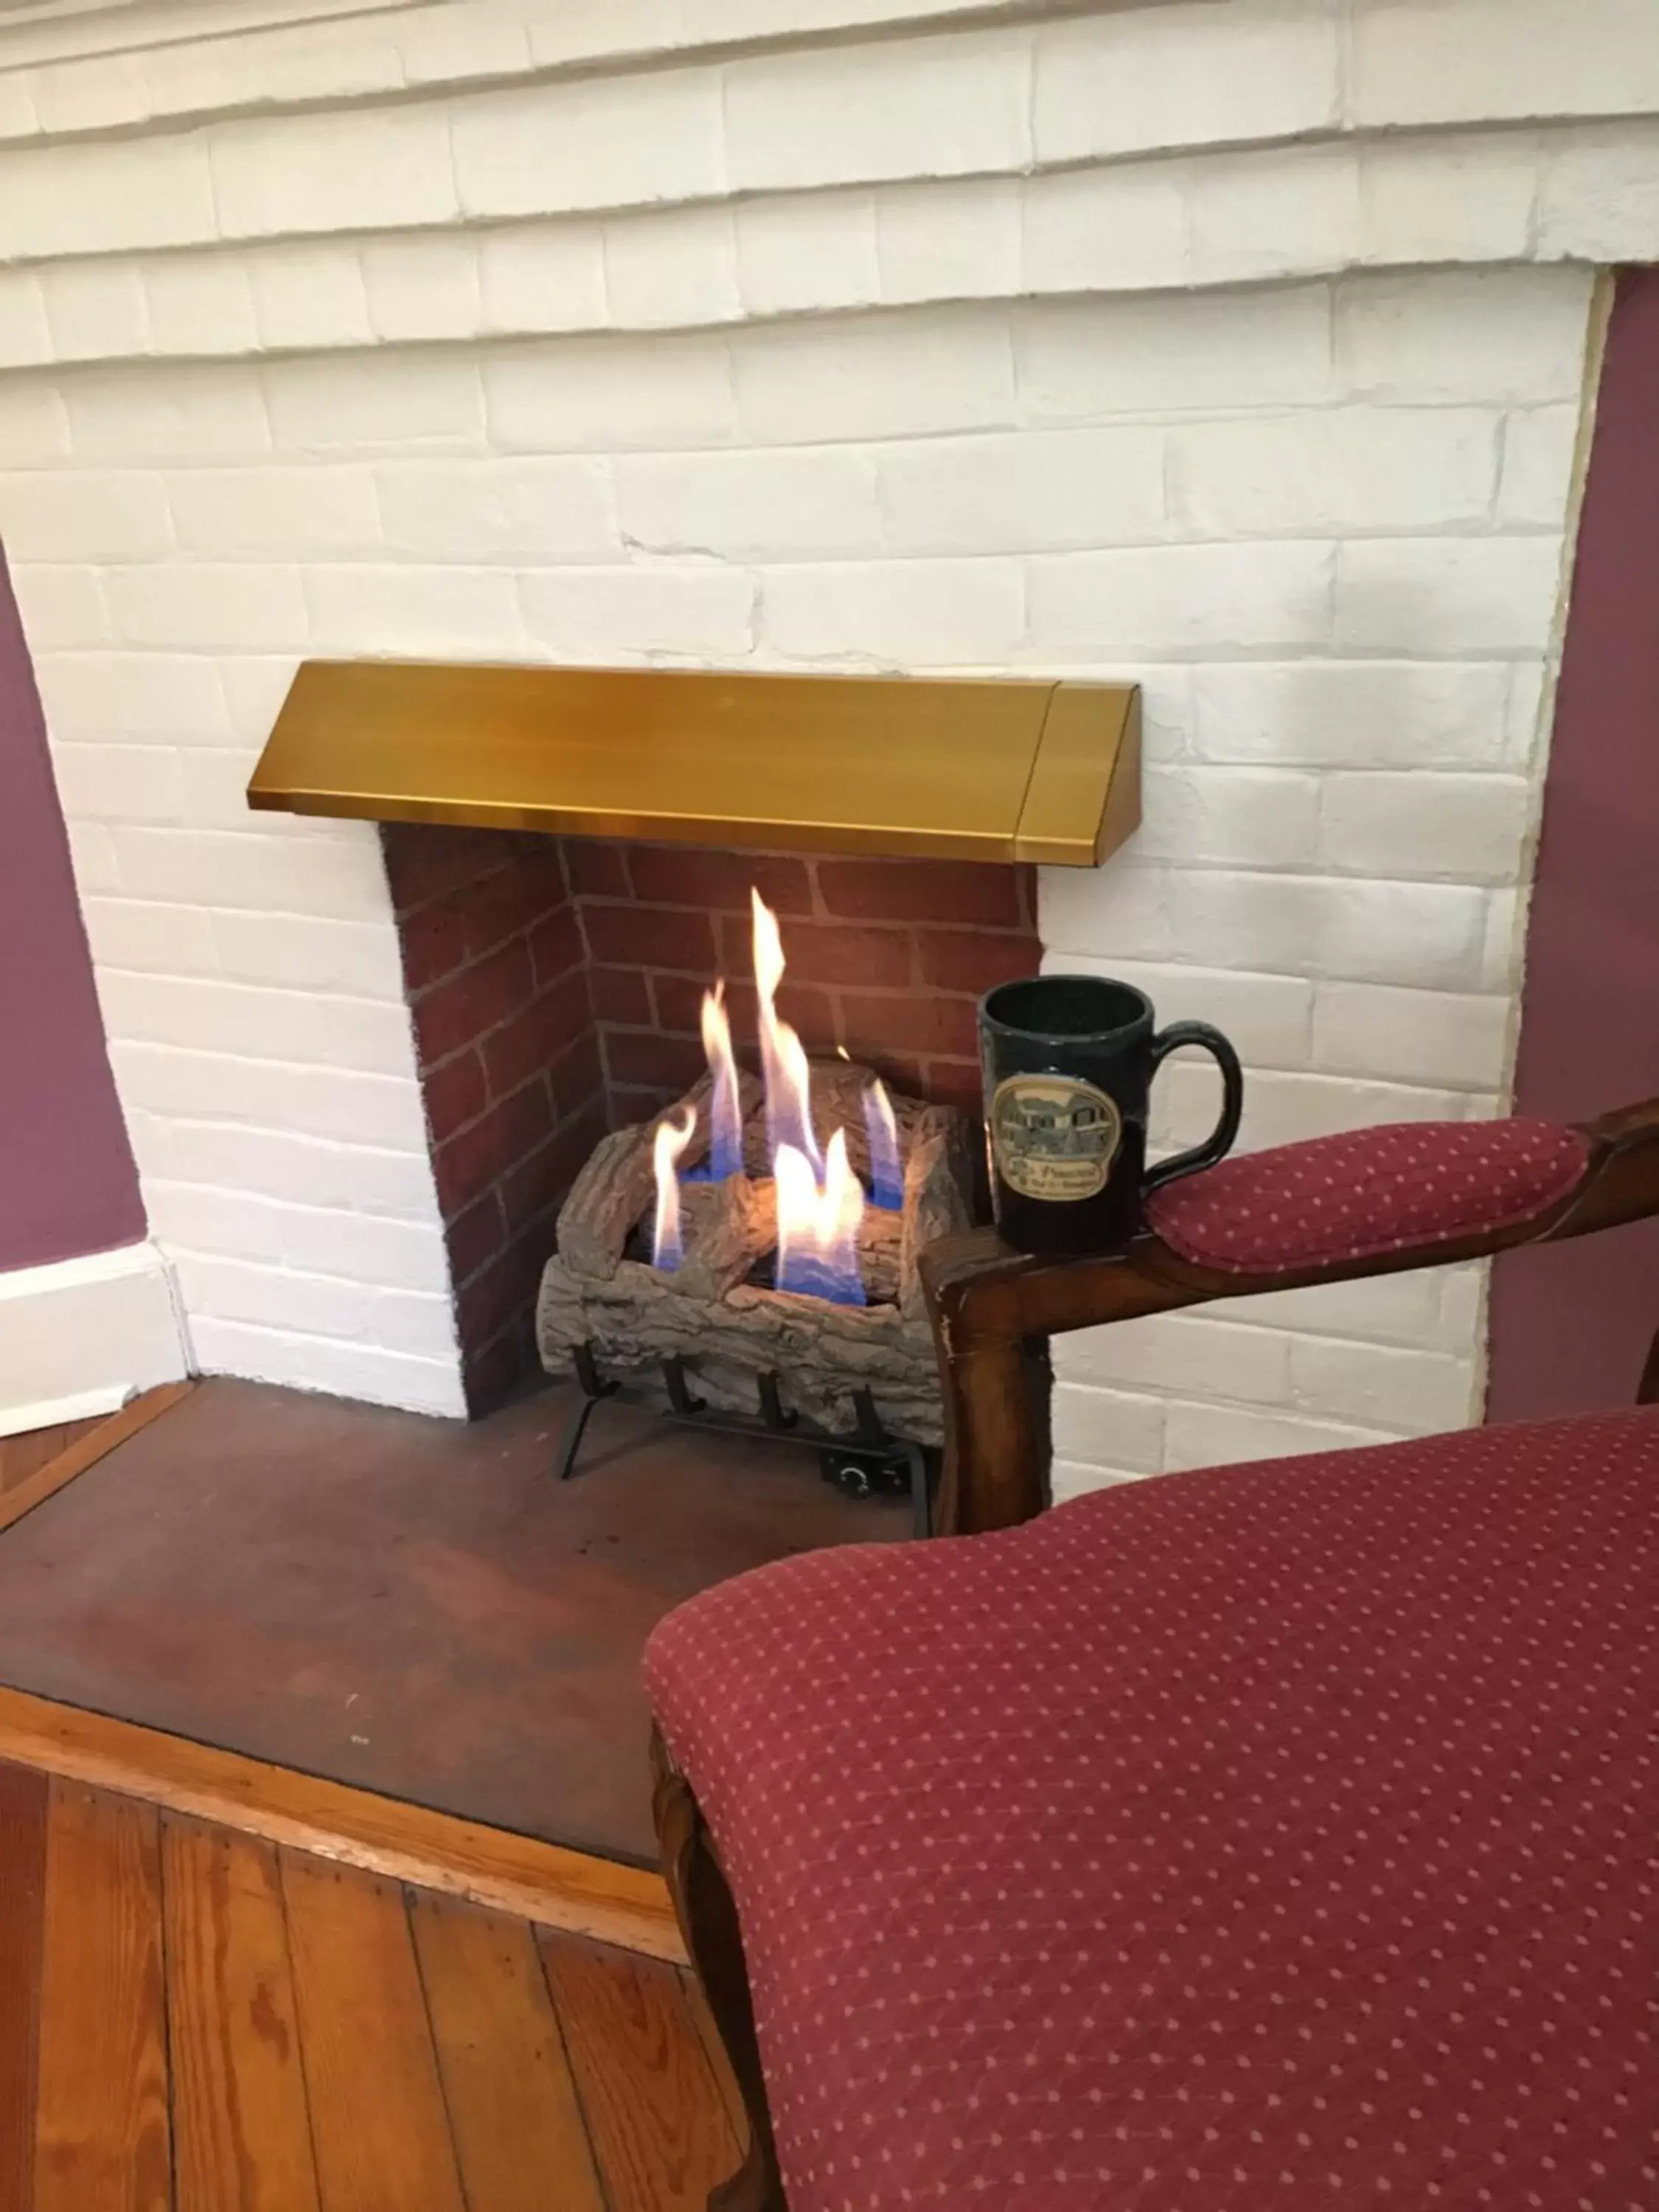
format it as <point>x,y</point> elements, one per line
<point>751,505</point>
<point>1356,714</point>
<point>623,143</point>
<point>513,513</point>
<point>543,277</point>
<point>256,514</point>
<point>1031,491</point>
<point>684,255</point>
<point>874,377</point>
<point>674,269</point>
<point>1417,61</point>
<point>194,414</point>
<point>1133,343</point>
<point>937,107</point>
<point>1113,229</point>
<point>359,169</point>
<point>651,612</point>
<point>604,394</point>
<point>1461,198</point>
<point>199,302</point>
<point>944,241</point>
<point>309,296</point>
<point>1174,603</point>
<point>1450,596</point>
<point>395,402</point>
<point>1539,448</point>
<point>113,516</point>
<point>91,310</point>
<point>880,614</point>
<point>1082,360</point>
<point>24,317</point>
<point>800,251</point>
<point>431,612</point>
<point>1271,214</point>
<point>425,286</point>
<point>1466,828</point>
<point>1330,473</point>
<point>1123,82</point>
<point>64,608</point>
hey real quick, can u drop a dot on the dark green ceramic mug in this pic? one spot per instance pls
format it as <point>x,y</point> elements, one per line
<point>1068,1062</point>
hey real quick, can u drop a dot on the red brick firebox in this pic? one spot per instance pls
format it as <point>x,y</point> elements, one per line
<point>555,987</point>
<point>495,971</point>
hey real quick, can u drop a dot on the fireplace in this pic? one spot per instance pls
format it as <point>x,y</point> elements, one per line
<point>555,988</point>
<point>571,889</point>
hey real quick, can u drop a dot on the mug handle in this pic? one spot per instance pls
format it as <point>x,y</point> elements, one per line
<point>1219,1142</point>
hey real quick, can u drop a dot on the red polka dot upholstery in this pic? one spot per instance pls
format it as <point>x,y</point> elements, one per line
<point>1367,1191</point>
<point>1252,1840</point>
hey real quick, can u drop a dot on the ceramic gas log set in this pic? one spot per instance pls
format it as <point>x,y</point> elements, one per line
<point>751,1255</point>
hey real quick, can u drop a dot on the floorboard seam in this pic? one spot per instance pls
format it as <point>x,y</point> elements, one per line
<point>557,2009</point>
<point>166,1953</point>
<point>403,1889</point>
<point>276,1856</point>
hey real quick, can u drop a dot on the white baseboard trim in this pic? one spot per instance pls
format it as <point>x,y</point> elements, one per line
<point>79,1338</point>
<point>54,1413</point>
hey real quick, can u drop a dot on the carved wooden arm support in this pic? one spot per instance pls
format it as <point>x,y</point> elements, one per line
<point>991,1307</point>
<point>708,1922</point>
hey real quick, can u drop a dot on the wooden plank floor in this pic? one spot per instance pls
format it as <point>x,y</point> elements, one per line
<point>194,2020</point>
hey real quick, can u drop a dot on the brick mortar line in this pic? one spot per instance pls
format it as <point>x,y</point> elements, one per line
<point>313,1336</point>
<point>493,1105</point>
<point>436,1066</point>
<point>512,1236</point>
<point>648,972</point>
<point>317,1275</point>
<point>427,899</point>
<point>444,899</point>
<point>483,1037</point>
<point>826,917</point>
<point>424,904</point>
<point>924,992</point>
<point>559,1124</point>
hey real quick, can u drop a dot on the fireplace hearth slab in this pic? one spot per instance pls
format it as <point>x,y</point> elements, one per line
<point>415,1607</point>
<point>1003,770</point>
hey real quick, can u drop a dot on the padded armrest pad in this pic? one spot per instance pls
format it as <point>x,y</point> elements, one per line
<point>1339,1200</point>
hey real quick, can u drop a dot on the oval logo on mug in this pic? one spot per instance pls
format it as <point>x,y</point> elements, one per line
<point>1054,1136</point>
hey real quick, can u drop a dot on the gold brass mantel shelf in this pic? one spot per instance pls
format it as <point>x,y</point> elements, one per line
<point>978,771</point>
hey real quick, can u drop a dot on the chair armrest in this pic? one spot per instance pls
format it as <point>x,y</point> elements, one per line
<point>1370,1202</point>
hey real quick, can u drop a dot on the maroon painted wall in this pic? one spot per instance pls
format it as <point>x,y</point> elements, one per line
<point>67,1183</point>
<point>1571,1322</point>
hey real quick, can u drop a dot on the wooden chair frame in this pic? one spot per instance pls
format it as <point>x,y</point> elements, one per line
<point>992,1312</point>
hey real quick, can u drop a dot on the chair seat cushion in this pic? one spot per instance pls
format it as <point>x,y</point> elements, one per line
<point>1335,1199</point>
<point>1242,1841</point>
